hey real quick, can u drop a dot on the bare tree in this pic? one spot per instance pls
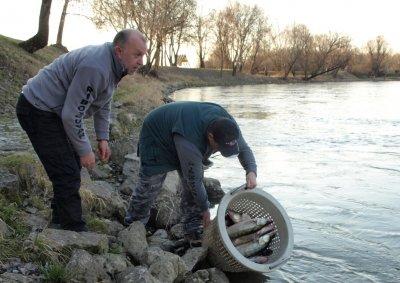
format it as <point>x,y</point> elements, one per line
<point>156,19</point>
<point>62,22</point>
<point>378,51</point>
<point>330,52</point>
<point>242,19</point>
<point>260,43</point>
<point>181,32</point>
<point>112,13</point>
<point>222,38</point>
<point>297,41</point>
<point>202,36</point>
<point>41,38</point>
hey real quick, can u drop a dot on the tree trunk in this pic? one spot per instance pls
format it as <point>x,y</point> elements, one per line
<point>234,69</point>
<point>61,25</point>
<point>41,38</point>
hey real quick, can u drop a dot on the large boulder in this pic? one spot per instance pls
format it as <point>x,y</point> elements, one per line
<point>105,200</point>
<point>134,240</point>
<point>86,268</point>
<point>8,181</point>
<point>60,240</point>
<point>165,266</point>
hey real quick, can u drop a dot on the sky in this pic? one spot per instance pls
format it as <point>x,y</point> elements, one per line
<point>361,20</point>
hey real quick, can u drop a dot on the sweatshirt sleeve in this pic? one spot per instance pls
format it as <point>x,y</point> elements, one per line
<point>190,159</point>
<point>246,157</point>
<point>83,90</point>
<point>102,121</point>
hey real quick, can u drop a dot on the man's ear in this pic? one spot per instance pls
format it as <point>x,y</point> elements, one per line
<point>118,51</point>
<point>210,137</point>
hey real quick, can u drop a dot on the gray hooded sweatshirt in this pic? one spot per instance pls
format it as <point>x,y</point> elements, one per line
<point>77,85</point>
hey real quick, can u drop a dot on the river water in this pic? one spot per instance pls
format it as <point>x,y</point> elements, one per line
<point>330,154</point>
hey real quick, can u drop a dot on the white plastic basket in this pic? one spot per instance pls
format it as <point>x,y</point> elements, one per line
<point>257,203</point>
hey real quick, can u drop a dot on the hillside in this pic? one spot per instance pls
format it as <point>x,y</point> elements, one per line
<point>17,66</point>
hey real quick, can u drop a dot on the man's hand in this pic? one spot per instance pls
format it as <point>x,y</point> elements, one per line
<point>251,180</point>
<point>88,161</point>
<point>103,150</point>
<point>206,218</point>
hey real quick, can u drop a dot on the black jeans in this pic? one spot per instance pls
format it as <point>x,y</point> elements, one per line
<point>50,142</point>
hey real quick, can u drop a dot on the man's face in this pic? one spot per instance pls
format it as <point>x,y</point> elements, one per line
<point>131,54</point>
<point>212,143</point>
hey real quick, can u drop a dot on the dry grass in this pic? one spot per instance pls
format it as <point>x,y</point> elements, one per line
<point>17,66</point>
<point>90,202</point>
<point>139,93</point>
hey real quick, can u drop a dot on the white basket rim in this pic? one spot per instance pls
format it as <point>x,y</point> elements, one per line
<point>226,241</point>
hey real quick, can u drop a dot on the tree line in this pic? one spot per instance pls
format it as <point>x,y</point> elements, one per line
<point>238,37</point>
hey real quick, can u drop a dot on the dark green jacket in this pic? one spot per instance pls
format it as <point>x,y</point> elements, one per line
<point>188,119</point>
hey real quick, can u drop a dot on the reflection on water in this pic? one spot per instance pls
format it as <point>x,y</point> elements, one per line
<point>330,153</point>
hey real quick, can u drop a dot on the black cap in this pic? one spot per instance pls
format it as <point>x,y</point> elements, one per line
<point>226,133</point>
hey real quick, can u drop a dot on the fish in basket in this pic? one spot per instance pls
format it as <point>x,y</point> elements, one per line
<point>251,232</point>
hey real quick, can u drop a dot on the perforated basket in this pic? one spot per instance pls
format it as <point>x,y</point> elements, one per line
<point>257,203</point>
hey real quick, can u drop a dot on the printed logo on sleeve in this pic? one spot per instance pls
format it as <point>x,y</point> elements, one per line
<point>81,112</point>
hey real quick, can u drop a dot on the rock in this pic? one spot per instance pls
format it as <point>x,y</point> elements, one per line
<point>165,266</point>
<point>87,268</point>
<point>109,202</point>
<point>211,275</point>
<point>194,256</point>
<point>85,176</point>
<point>133,239</point>
<point>8,181</point>
<point>213,188</point>
<point>61,239</point>
<point>113,263</point>
<point>160,239</point>
<point>35,222</point>
<point>8,277</point>
<point>176,231</point>
<point>3,229</point>
<point>167,206</point>
<point>130,172</point>
<point>137,274</point>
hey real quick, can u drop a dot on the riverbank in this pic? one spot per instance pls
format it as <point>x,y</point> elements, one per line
<point>139,93</point>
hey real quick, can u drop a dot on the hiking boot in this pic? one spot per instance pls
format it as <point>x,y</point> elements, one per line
<point>54,225</point>
<point>128,220</point>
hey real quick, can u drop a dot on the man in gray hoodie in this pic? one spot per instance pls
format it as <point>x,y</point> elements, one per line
<point>53,105</point>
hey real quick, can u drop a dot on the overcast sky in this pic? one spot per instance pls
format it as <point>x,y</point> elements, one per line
<point>361,20</point>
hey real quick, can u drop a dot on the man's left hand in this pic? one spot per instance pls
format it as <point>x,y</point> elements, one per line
<point>251,180</point>
<point>103,150</point>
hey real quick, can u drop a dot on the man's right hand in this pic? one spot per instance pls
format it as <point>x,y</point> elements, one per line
<point>88,161</point>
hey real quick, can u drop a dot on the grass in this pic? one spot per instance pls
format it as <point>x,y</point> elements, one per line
<point>32,177</point>
<point>17,66</point>
<point>57,273</point>
<point>90,202</point>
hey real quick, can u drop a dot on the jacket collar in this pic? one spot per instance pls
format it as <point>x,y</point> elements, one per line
<point>117,67</point>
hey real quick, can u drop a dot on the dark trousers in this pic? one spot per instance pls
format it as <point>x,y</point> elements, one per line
<point>146,193</point>
<point>50,142</point>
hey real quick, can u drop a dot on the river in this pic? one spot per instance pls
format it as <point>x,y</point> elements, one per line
<point>330,154</point>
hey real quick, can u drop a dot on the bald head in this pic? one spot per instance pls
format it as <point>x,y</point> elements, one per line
<point>122,37</point>
<point>130,47</point>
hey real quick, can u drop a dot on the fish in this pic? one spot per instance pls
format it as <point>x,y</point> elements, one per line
<point>252,248</point>
<point>266,229</point>
<point>245,227</point>
<point>237,217</point>
<point>258,259</point>
<point>253,236</point>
